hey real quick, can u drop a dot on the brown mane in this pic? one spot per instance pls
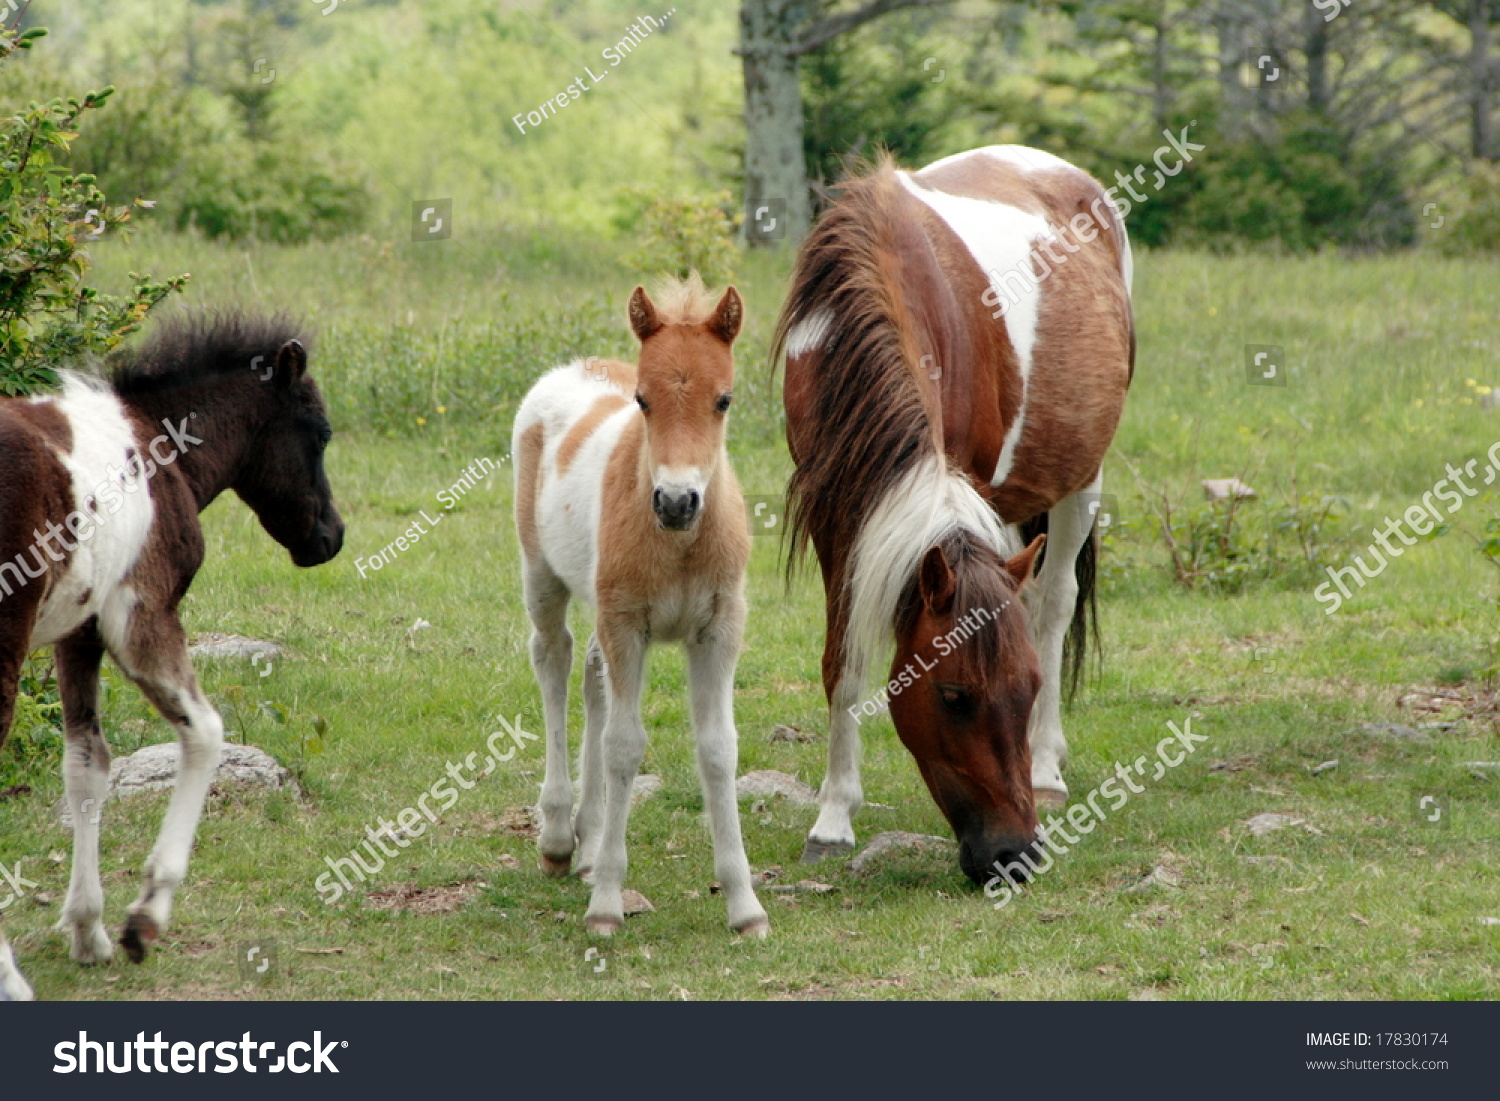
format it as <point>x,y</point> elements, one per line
<point>872,423</point>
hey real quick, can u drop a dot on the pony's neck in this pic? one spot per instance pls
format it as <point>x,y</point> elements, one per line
<point>208,427</point>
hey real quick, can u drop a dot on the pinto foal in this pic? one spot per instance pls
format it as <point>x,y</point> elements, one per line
<point>625,499</point>
<point>115,473</point>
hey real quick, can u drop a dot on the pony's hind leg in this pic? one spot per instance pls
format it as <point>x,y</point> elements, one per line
<point>591,758</point>
<point>623,746</point>
<point>156,658</point>
<point>1051,601</point>
<point>86,777</point>
<point>13,984</point>
<point>711,660</point>
<point>552,660</point>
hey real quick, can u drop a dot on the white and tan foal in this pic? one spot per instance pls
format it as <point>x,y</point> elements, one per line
<point>625,500</point>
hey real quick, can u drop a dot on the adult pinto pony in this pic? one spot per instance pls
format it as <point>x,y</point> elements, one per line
<point>958,344</point>
<point>625,499</point>
<point>100,491</point>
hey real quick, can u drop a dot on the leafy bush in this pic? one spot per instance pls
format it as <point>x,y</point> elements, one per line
<point>1476,229</point>
<point>49,316</point>
<point>683,234</point>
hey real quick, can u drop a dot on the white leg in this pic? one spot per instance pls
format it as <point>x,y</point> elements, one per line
<point>552,660</point>
<point>711,662</point>
<point>591,759</point>
<point>170,684</point>
<point>841,795</point>
<point>13,984</point>
<point>86,783</point>
<point>624,744</point>
<point>1050,601</point>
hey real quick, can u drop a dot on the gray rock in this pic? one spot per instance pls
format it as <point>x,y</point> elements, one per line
<point>214,645</point>
<point>154,768</point>
<point>1263,824</point>
<point>1396,732</point>
<point>645,786</point>
<point>768,783</point>
<point>883,844</point>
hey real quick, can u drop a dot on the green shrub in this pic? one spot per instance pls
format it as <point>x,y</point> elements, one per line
<point>679,234</point>
<point>49,316</point>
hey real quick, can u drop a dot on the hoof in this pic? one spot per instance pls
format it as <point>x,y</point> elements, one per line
<point>1049,799</point>
<point>759,927</point>
<point>554,866</point>
<point>601,926</point>
<point>140,932</point>
<point>815,850</point>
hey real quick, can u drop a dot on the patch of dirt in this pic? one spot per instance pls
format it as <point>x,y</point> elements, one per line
<point>409,898</point>
<point>1449,702</point>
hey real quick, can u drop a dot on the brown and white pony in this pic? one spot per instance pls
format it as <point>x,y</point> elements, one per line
<point>100,490</point>
<point>625,500</point>
<point>958,344</point>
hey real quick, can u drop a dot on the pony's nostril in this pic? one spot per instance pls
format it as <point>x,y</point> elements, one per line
<point>692,502</point>
<point>656,499</point>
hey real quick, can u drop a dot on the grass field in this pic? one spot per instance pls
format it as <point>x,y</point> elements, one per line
<point>423,355</point>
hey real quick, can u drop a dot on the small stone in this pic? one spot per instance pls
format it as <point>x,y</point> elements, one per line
<point>893,841</point>
<point>213,645</point>
<point>782,733</point>
<point>1222,489</point>
<point>635,902</point>
<point>1263,824</point>
<point>644,787</point>
<point>770,784</point>
<point>1318,770</point>
<point>1398,732</point>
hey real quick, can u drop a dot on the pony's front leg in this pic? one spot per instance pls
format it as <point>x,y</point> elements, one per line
<point>591,759</point>
<point>86,780</point>
<point>842,794</point>
<point>156,658</point>
<point>711,660</point>
<point>552,660</point>
<point>624,746</point>
<point>1051,599</point>
<point>13,984</point>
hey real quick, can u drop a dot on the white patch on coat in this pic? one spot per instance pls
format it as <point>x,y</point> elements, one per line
<point>1000,238</point>
<point>98,465</point>
<point>809,334</point>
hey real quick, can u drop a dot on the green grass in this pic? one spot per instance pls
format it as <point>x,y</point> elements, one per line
<point>1370,902</point>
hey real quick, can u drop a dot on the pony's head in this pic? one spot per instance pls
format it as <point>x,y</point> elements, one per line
<point>967,676</point>
<point>684,384</point>
<point>282,479</point>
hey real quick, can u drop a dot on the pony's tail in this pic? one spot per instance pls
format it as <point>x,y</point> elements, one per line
<point>1084,626</point>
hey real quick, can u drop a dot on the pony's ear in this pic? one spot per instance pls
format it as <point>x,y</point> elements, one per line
<point>935,581</point>
<point>291,362</point>
<point>1019,567</point>
<point>728,316</point>
<point>644,320</point>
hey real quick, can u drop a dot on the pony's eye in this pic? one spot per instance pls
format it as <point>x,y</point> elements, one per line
<point>957,701</point>
<point>642,403</point>
<point>722,405</point>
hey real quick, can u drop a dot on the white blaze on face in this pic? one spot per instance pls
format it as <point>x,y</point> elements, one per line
<point>1000,238</point>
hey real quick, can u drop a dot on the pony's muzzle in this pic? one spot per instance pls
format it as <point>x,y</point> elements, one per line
<point>1013,859</point>
<point>676,507</point>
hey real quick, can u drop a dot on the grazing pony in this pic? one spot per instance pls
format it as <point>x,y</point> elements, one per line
<point>958,344</point>
<point>625,499</point>
<point>100,490</point>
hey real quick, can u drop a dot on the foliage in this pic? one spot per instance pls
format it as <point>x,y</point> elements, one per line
<point>679,234</point>
<point>1476,230</point>
<point>49,315</point>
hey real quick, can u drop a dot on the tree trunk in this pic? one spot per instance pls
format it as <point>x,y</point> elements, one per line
<point>777,205</point>
<point>1482,132</point>
<point>1317,61</point>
